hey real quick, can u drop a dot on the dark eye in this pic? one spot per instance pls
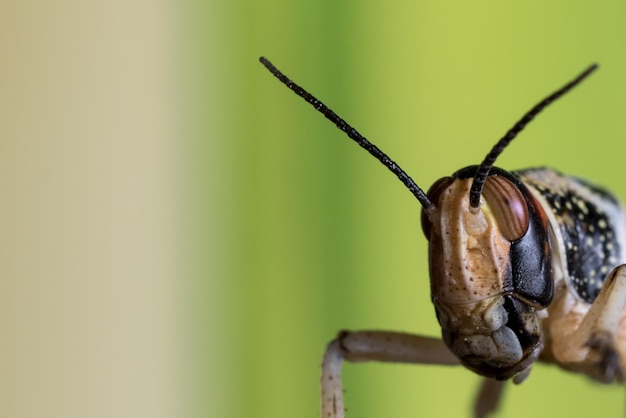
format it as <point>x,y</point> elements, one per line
<point>508,205</point>
<point>433,195</point>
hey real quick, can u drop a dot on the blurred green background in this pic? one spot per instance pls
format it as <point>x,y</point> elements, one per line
<point>181,235</point>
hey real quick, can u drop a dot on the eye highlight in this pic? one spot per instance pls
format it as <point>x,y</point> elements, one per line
<point>508,206</point>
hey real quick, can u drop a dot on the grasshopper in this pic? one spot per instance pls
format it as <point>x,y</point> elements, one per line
<point>525,266</point>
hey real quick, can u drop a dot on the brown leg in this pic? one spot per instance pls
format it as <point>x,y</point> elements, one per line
<point>592,347</point>
<point>379,346</point>
<point>488,397</point>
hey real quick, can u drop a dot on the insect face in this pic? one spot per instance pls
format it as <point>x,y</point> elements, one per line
<point>522,264</point>
<point>480,261</point>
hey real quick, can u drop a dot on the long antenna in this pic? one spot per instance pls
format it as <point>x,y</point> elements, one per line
<point>429,207</point>
<point>485,167</point>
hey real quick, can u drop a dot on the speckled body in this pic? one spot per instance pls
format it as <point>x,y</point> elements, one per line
<point>587,228</point>
<point>587,241</point>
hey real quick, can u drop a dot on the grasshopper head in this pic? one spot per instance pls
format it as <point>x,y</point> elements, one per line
<point>489,271</point>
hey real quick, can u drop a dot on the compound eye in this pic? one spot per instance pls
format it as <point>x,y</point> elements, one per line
<point>434,193</point>
<point>508,205</point>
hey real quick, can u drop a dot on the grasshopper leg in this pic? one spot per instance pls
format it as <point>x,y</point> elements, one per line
<point>592,347</point>
<point>488,397</point>
<point>374,346</point>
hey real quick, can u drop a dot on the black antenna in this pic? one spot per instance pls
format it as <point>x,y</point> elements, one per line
<point>429,207</point>
<point>485,167</point>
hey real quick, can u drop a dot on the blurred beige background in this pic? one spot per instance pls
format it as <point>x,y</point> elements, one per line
<point>90,241</point>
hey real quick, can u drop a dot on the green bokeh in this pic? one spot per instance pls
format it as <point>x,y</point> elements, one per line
<point>300,234</point>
